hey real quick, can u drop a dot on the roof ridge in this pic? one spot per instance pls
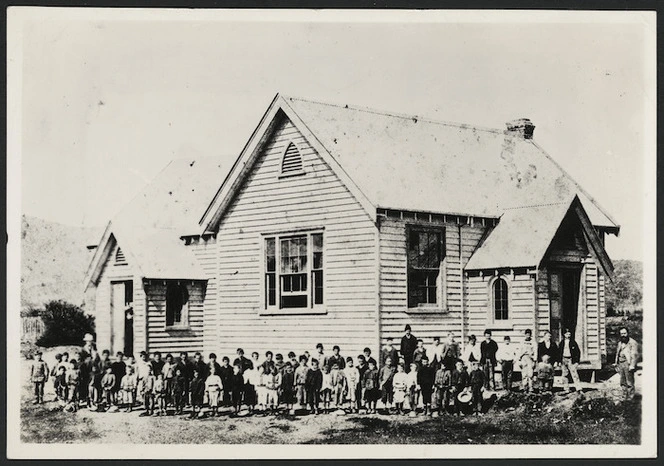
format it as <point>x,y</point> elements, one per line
<point>535,205</point>
<point>405,116</point>
<point>578,186</point>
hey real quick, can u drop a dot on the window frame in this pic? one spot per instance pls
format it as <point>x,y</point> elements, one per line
<point>184,311</point>
<point>276,309</point>
<point>500,323</point>
<point>299,172</point>
<point>440,306</point>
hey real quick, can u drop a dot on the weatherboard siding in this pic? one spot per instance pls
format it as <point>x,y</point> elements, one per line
<point>521,306</point>
<point>205,250</point>
<point>112,273</point>
<point>268,204</point>
<point>394,312</point>
<point>171,340</point>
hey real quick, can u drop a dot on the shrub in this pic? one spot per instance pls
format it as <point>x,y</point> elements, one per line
<point>66,324</point>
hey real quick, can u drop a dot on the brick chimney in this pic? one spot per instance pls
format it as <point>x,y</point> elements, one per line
<point>522,127</point>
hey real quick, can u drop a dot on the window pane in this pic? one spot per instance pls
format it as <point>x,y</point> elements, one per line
<point>318,286</point>
<point>500,299</point>
<point>413,248</point>
<point>433,250</point>
<point>293,301</point>
<point>317,240</point>
<point>293,254</point>
<point>270,289</point>
<point>270,258</point>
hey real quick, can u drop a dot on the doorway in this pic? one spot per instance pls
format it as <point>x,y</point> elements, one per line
<point>564,286</point>
<point>122,317</point>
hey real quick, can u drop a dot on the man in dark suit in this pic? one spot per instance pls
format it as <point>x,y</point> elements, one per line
<point>408,345</point>
<point>546,346</point>
<point>569,356</point>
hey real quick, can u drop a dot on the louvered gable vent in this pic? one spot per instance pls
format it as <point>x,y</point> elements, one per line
<point>292,162</point>
<point>120,257</point>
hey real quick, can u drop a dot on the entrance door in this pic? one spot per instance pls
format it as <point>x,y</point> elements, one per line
<point>122,317</point>
<point>564,301</point>
<point>129,318</point>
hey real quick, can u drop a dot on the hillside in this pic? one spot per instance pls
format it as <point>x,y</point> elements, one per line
<point>625,293</point>
<point>54,259</point>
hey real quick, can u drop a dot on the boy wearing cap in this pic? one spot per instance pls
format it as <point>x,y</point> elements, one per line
<point>38,375</point>
<point>408,345</point>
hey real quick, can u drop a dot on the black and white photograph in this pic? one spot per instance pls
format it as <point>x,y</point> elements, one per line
<point>331,233</point>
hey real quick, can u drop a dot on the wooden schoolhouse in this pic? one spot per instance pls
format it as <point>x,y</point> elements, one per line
<point>340,225</point>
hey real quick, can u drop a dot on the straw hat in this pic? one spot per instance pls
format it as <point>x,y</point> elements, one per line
<point>88,337</point>
<point>464,397</point>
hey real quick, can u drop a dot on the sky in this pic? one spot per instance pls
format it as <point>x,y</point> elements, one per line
<point>107,100</point>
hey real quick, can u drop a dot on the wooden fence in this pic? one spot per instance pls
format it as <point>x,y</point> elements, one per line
<point>31,328</point>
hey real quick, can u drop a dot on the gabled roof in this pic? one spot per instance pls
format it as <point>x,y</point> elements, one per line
<point>523,236</point>
<point>435,166</point>
<point>431,166</point>
<point>177,196</point>
<point>149,227</point>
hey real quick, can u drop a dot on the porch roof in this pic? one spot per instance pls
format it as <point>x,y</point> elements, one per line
<point>159,253</point>
<point>523,235</point>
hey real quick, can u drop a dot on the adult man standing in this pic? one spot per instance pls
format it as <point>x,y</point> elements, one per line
<point>569,356</point>
<point>625,363</point>
<point>546,346</point>
<point>408,345</point>
<point>488,350</point>
<point>88,346</point>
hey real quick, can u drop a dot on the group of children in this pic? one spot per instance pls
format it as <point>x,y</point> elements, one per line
<point>444,379</point>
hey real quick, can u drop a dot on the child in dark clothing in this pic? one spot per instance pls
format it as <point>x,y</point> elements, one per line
<point>226,376</point>
<point>371,387</point>
<point>313,383</point>
<point>237,386</point>
<point>460,380</point>
<point>38,375</point>
<point>148,389</point>
<point>442,390</point>
<point>385,377</point>
<point>425,378</point>
<point>61,388</point>
<point>477,382</point>
<point>488,350</point>
<point>108,385</point>
<point>287,390</point>
<point>179,390</point>
<point>73,383</point>
<point>197,390</point>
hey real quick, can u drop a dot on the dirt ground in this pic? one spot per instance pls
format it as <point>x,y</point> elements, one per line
<point>597,418</point>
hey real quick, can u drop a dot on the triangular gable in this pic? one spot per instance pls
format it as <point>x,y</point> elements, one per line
<point>101,255</point>
<point>523,236</point>
<point>152,253</point>
<point>245,161</point>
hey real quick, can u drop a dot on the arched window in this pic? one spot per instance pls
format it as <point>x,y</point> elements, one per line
<point>291,162</point>
<point>500,292</point>
<point>177,304</point>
